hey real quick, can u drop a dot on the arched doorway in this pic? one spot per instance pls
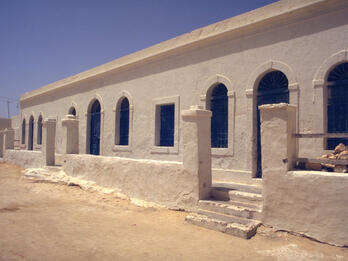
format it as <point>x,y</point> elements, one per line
<point>39,130</point>
<point>31,133</point>
<point>337,104</point>
<point>23,131</point>
<point>94,128</point>
<point>273,88</point>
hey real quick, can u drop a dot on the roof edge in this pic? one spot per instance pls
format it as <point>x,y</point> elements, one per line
<point>226,26</point>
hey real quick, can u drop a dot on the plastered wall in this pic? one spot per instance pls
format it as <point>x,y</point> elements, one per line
<point>165,183</point>
<point>311,203</point>
<point>23,158</point>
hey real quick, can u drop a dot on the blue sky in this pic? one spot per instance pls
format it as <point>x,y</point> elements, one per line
<point>42,41</point>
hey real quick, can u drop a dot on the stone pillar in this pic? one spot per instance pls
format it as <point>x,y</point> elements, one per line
<point>49,140</point>
<point>1,144</point>
<point>197,149</point>
<point>9,139</point>
<point>278,143</point>
<point>71,134</point>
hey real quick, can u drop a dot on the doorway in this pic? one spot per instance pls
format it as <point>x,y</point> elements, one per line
<point>31,133</point>
<point>94,137</point>
<point>273,88</point>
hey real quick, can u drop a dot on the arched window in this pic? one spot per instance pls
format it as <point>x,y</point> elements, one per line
<point>39,130</point>
<point>94,128</point>
<point>31,133</point>
<point>23,131</point>
<point>272,88</point>
<point>337,104</point>
<point>122,121</point>
<point>219,120</point>
<point>72,111</point>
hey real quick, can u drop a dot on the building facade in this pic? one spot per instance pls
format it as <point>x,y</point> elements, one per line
<point>292,51</point>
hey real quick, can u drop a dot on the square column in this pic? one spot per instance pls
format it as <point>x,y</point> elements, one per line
<point>71,134</point>
<point>9,139</point>
<point>1,144</point>
<point>278,142</point>
<point>49,140</point>
<point>197,149</point>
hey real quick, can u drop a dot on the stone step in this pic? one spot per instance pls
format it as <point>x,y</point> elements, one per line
<point>253,205</point>
<point>223,217</point>
<point>225,194</point>
<point>225,207</point>
<point>239,187</point>
<point>244,230</point>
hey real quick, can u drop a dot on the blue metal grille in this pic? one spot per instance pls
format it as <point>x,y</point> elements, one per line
<point>23,132</point>
<point>39,130</point>
<point>72,111</point>
<point>219,120</point>
<point>95,129</point>
<point>31,134</point>
<point>273,88</point>
<point>124,122</point>
<point>337,104</point>
<point>167,125</point>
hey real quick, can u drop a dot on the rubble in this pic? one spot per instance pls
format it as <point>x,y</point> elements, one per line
<point>336,161</point>
<point>339,153</point>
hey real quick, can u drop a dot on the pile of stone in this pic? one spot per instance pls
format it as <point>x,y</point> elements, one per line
<point>339,153</point>
<point>336,161</point>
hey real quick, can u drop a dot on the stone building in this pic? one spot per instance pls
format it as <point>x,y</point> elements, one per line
<point>292,51</point>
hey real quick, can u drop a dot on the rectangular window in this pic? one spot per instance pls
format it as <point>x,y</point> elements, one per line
<point>165,132</point>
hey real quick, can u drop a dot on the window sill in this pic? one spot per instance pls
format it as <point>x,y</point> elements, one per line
<point>221,152</point>
<point>164,150</point>
<point>126,148</point>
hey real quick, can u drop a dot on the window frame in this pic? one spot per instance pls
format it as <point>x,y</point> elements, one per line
<point>205,99</point>
<point>39,130</point>
<point>157,103</point>
<point>116,110</point>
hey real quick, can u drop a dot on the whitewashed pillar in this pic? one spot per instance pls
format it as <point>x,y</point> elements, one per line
<point>71,134</point>
<point>1,144</point>
<point>197,149</point>
<point>49,140</point>
<point>278,142</point>
<point>9,139</point>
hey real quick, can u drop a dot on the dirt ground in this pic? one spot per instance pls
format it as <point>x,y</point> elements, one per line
<point>45,221</point>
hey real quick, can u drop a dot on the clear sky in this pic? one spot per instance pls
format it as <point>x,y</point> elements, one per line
<point>42,41</point>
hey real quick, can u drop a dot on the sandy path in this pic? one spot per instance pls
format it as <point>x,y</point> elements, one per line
<point>44,221</point>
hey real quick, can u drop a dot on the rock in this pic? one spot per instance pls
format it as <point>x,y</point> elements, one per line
<point>343,155</point>
<point>312,166</point>
<point>328,165</point>
<point>340,168</point>
<point>339,148</point>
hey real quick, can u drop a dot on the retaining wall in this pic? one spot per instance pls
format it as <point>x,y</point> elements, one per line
<point>311,203</point>
<point>24,158</point>
<point>162,182</point>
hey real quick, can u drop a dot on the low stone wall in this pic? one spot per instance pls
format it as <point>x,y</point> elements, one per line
<point>312,203</point>
<point>24,158</point>
<point>162,182</point>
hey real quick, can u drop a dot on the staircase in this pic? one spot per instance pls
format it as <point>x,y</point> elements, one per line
<point>233,209</point>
